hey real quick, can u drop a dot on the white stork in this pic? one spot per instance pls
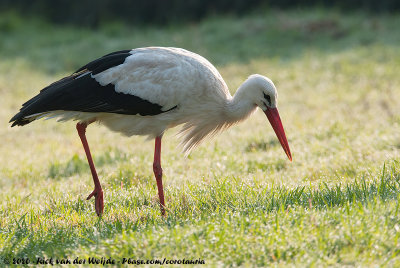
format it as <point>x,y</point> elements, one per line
<point>145,91</point>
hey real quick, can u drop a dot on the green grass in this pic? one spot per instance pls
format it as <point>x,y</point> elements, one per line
<point>235,200</point>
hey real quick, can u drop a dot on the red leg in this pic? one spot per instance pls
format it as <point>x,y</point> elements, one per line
<point>158,173</point>
<point>97,192</point>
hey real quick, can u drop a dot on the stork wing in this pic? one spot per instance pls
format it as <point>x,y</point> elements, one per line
<point>82,92</point>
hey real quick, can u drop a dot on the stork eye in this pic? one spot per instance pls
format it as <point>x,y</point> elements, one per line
<point>268,99</point>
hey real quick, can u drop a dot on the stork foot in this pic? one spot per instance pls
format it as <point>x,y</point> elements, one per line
<point>99,202</point>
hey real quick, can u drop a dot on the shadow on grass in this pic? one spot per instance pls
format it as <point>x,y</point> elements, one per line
<point>257,145</point>
<point>77,165</point>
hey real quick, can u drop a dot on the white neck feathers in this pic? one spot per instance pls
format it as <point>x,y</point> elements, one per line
<point>241,105</point>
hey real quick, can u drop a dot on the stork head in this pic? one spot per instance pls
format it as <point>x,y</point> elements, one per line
<point>264,94</point>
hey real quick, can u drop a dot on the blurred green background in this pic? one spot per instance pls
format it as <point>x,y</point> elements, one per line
<point>96,12</point>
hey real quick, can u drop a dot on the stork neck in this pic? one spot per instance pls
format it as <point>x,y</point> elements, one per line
<point>240,106</point>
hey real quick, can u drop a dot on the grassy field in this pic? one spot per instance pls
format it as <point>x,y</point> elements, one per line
<point>236,200</point>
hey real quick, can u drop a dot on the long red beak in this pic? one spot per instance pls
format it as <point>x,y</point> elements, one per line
<point>276,123</point>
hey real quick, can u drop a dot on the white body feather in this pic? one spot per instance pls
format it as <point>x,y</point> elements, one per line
<point>174,77</point>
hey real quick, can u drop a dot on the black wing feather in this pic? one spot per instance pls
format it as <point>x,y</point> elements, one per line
<point>106,62</point>
<point>81,92</point>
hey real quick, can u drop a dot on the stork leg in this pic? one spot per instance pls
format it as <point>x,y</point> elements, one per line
<point>98,191</point>
<point>158,173</point>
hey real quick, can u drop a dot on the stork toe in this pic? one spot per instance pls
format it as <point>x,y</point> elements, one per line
<point>99,201</point>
